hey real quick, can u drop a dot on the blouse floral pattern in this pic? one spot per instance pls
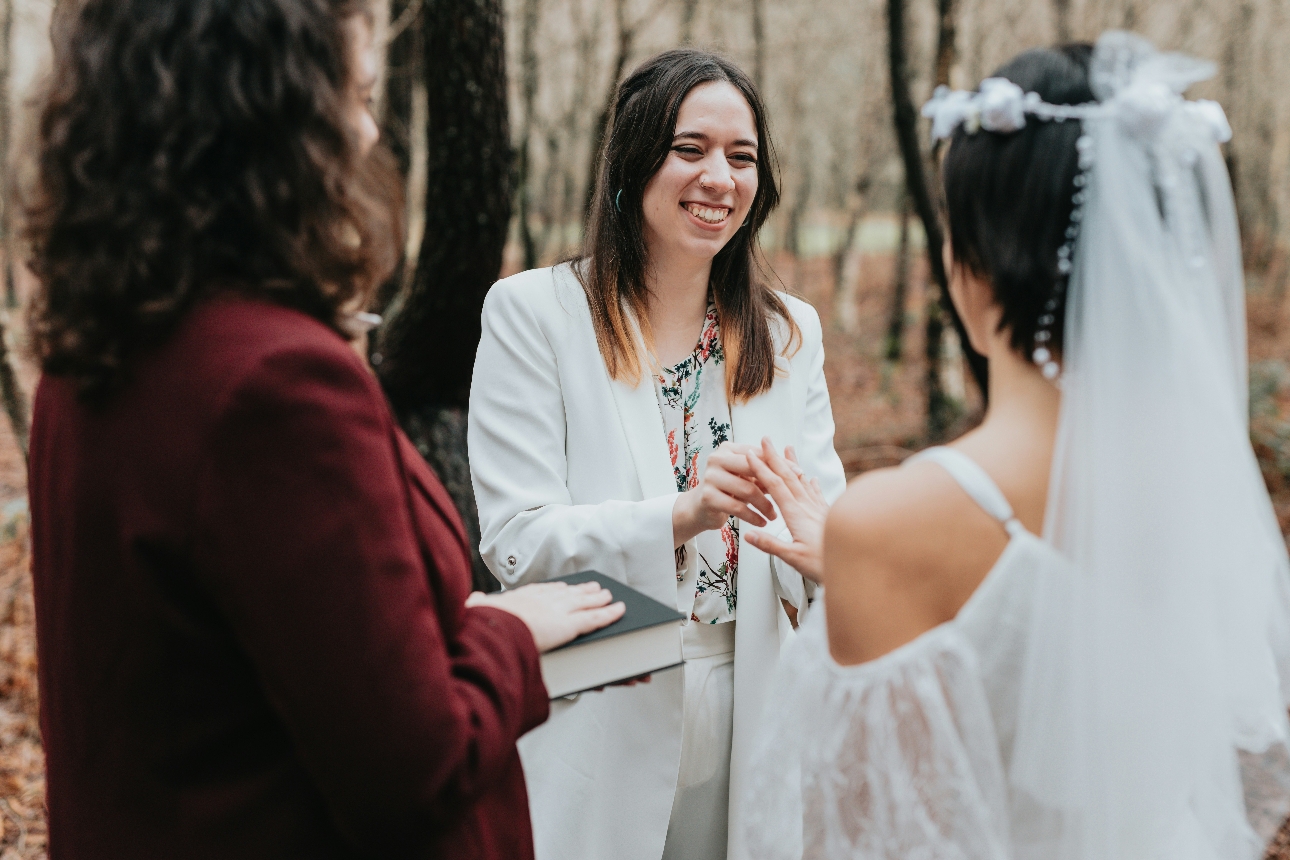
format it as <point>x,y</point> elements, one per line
<point>696,420</point>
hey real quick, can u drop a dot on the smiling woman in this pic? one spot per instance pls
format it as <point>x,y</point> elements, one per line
<point>618,405</point>
<point>689,204</point>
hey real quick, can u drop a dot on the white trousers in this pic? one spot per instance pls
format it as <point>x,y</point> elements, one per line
<point>700,809</point>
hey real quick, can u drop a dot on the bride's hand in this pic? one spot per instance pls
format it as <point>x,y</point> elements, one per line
<point>800,501</point>
<point>555,612</point>
<point>727,489</point>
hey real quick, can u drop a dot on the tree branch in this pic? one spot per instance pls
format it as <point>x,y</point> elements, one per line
<point>405,20</point>
<point>905,117</point>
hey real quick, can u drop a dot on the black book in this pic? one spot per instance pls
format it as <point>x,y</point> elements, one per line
<point>646,639</point>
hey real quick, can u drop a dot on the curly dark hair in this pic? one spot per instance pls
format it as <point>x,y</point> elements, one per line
<point>188,148</point>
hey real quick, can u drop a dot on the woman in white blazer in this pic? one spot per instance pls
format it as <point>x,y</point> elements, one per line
<point>601,437</point>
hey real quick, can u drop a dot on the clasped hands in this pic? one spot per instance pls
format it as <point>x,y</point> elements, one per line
<point>750,482</point>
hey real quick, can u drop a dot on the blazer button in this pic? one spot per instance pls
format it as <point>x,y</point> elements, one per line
<point>510,560</point>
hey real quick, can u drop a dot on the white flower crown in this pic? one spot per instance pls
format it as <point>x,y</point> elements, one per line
<point>1134,85</point>
<point>1000,106</point>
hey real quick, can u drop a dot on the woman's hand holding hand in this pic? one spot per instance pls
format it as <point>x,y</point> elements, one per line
<point>728,489</point>
<point>555,612</point>
<point>800,501</point>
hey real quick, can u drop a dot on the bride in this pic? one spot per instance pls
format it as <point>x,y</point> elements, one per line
<point>1051,638</point>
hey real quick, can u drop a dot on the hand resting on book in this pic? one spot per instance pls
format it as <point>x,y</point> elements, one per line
<point>555,612</point>
<point>646,639</point>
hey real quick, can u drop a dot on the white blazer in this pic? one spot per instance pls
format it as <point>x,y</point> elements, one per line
<point>571,472</point>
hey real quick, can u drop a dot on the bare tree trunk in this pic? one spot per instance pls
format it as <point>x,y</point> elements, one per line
<point>417,178</point>
<point>940,411</point>
<point>793,234</point>
<point>688,10</point>
<point>15,402</point>
<point>949,362</point>
<point>402,68</point>
<point>946,41</point>
<point>427,347</point>
<point>625,42</point>
<point>796,187</point>
<point>759,43</point>
<point>1248,154</point>
<point>845,315</point>
<point>1130,16</point>
<point>554,211</point>
<point>9,190</point>
<point>565,170</point>
<point>1232,56</point>
<point>528,89</point>
<point>906,122</point>
<point>403,128</point>
<point>622,53</point>
<point>1062,12</point>
<point>900,290</point>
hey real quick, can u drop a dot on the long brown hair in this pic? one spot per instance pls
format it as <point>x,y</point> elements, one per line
<point>615,259</point>
<point>192,146</point>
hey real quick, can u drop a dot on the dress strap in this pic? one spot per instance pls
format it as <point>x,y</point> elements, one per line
<point>975,482</point>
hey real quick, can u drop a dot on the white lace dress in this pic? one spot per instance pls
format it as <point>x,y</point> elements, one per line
<point>905,757</point>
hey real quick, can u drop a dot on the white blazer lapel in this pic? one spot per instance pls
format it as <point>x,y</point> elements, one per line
<point>769,414</point>
<point>643,426</point>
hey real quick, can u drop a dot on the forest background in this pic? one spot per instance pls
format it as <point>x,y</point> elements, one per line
<point>495,110</point>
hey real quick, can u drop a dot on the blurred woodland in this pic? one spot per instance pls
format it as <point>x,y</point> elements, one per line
<point>495,109</point>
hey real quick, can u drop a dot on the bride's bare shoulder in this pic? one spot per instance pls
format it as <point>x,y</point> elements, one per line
<point>880,507</point>
<point>903,550</point>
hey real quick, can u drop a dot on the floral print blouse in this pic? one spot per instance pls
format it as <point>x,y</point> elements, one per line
<point>696,419</point>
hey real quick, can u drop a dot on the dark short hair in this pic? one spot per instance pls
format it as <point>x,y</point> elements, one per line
<point>638,140</point>
<point>189,147</point>
<point>1009,197</point>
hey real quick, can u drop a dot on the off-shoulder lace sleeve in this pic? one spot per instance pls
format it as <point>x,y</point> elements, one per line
<point>896,758</point>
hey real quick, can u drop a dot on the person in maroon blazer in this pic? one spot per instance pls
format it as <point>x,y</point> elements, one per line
<point>255,632</point>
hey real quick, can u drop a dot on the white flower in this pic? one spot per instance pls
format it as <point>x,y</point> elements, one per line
<point>1003,106</point>
<point>1143,107</point>
<point>947,109</point>
<point>1213,115</point>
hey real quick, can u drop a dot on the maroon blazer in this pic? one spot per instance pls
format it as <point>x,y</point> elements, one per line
<point>250,616</point>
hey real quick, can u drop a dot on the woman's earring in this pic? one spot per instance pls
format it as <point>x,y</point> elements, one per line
<point>618,200</point>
